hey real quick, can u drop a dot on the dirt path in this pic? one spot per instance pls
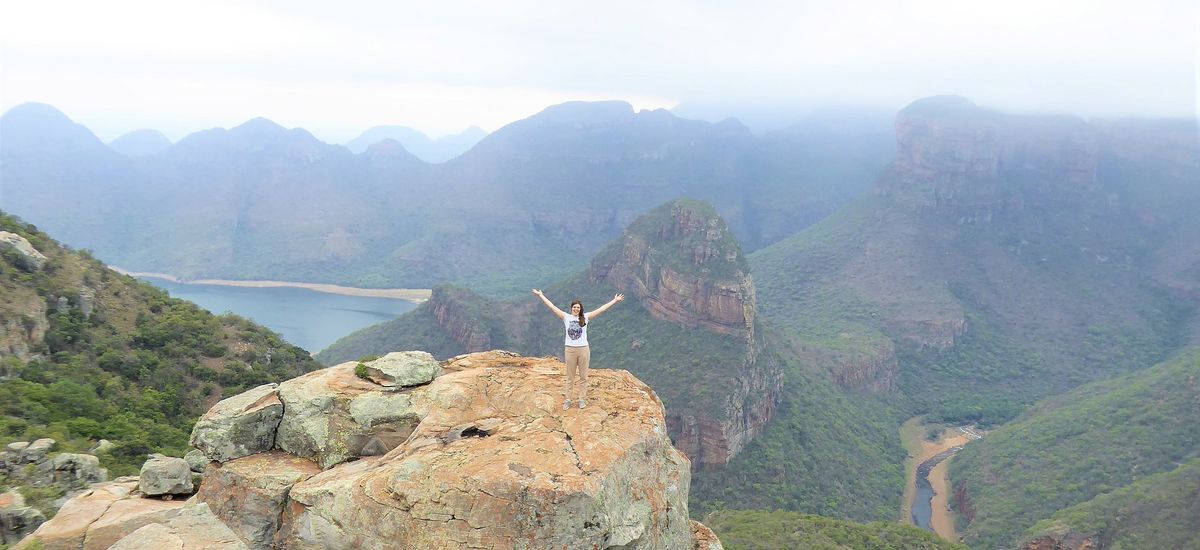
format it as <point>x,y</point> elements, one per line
<point>416,295</point>
<point>912,434</point>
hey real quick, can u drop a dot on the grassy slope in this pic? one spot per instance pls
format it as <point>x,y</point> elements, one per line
<point>826,451</point>
<point>138,371</point>
<point>1075,447</point>
<point>1156,511</point>
<point>761,530</point>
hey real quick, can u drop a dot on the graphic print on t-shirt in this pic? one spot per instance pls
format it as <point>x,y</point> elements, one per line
<point>574,331</point>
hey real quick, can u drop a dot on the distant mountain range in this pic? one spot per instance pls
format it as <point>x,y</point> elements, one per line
<point>433,151</point>
<point>538,196</point>
<point>1000,261</point>
<point>140,143</point>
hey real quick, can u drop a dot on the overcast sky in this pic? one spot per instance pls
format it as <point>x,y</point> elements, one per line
<point>118,65</point>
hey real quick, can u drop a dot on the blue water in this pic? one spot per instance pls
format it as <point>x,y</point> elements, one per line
<point>310,319</point>
<point>922,507</point>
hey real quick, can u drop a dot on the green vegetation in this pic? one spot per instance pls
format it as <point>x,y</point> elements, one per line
<point>419,329</point>
<point>779,530</point>
<point>827,451</point>
<point>1073,448</point>
<point>1157,511</point>
<point>137,369</point>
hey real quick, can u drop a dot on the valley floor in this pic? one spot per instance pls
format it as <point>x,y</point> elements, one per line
<point>415,295</point>
<point>912,434</point>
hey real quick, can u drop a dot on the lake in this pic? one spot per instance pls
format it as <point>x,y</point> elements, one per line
<point>310,319</point>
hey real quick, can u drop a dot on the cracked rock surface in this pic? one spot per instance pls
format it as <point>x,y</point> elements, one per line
<point>496,463</point>
<point>481,457</point>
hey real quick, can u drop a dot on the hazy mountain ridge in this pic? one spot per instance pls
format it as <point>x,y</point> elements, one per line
<point>433,151</point>
<point>140,143</point>
<point>540,195</point>
<point>993,247</point>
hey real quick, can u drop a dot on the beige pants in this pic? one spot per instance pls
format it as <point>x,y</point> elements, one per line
<point>577,359</point>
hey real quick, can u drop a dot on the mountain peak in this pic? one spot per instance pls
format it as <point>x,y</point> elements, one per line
<point>140,143</point>
<point>585,112</point>
<point>683,263</point>
<point>38,126</point>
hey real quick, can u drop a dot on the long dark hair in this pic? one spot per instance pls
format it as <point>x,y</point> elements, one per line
<point>582,322</point>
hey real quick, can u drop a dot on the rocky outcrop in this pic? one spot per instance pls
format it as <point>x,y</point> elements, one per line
<point>456,311</point>
<point>492,462</point>
<point>240,425</point>
<point>1065,541</point>
<point>27,257</point>
<point>704,538</point>
<point>332,415</point>
<point>98,518</point>
<point>24,464</point>
<point>400,369</point>
<point>974,163</point>
<point>16,519</point>
<point>603,477</point>
<point>685,267</point>
<point>192,527</point>
<point>875,372</point>
<point>164,475</point>
<point>249,493</point>
<point>20,333</point>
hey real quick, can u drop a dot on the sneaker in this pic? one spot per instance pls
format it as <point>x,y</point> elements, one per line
<point>566,404</point>
<point>582,404</point>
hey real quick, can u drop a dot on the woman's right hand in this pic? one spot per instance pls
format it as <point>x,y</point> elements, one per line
<point>538,293</point>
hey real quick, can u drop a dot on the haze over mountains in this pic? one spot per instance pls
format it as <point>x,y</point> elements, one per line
<point>542,194</point>
<point>999,260</point>
<point>1036,275</point>
<point>433,151</point>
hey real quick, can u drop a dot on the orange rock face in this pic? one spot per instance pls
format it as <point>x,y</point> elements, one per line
<point>497,463</point>
<point>98,518</point>
<point>493,462</point>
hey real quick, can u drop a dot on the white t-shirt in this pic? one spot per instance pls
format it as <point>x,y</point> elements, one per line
<point>576,336</point>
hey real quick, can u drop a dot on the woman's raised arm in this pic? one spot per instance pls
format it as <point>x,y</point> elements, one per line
<point>560,313</point>
<point>603,308</point>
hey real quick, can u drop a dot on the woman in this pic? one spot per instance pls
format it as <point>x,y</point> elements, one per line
<point>577,354</point>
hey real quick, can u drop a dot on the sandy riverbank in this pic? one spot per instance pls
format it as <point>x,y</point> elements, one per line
<point>942,519</point>
<point>415,295</point>
<point>912,435</point>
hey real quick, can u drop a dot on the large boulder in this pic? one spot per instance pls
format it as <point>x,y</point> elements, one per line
<point>196,460</point>
<point>496,463</point>
<point>332,415</point>
<point>38,450</point>
<point>99,517</point>
<point>165,475</point>
<point>249,494</point>
<point>402,368</point>
<point>71,469</point>
<point>28,257</point>
<point>704,538</point>
<point>240,425</point>
<point>16,519</point>
<point>193,527</point>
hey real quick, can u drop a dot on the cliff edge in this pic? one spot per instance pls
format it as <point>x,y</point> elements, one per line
<point>473,452</point>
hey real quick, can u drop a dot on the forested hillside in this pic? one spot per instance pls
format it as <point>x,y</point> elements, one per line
<point>89,354</point>
<point>1073,448</point>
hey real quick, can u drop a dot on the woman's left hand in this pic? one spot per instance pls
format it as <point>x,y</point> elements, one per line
<point>618,297</point>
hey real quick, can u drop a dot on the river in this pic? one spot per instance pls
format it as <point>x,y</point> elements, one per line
<point>307,318</point>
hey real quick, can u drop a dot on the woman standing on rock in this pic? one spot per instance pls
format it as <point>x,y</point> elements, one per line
<point>577,353</point>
